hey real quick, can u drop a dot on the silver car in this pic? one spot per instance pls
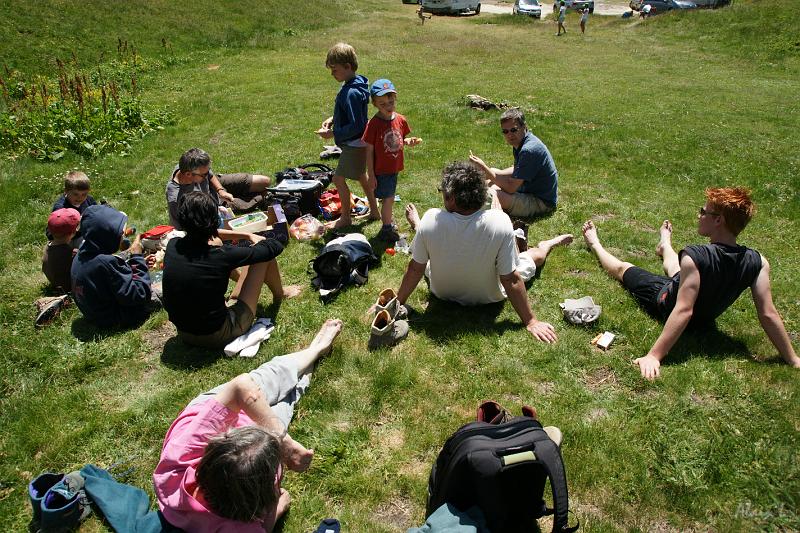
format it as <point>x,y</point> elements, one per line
<point>532,8</point>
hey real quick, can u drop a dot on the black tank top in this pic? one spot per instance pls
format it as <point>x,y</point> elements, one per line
<point>725,272</point>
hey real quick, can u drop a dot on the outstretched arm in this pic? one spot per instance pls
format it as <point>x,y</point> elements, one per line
<point>242,394</point>
<point>518,296</point>
<point>770,319</point>
<point>503,178</point>
<point>411,279</point>
<point>678,319</point>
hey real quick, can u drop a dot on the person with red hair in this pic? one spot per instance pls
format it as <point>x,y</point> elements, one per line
<point>701,280</point>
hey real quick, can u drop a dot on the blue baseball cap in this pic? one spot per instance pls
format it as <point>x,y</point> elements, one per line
<point>381,87</point>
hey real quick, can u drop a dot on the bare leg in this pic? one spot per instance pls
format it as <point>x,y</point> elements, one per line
<point>666,251</point>
<point>272,279</point>
<point>412,215</point>
<point>248,288</point>
<point>369,191</point>
<point>540,252</point>
<point>495,201</point>
<point>386,210</point>
<point>505,199</point>
<point>259,183</point>
<point>344,195</point>
<point>321,345</point>
<point>615,268</point>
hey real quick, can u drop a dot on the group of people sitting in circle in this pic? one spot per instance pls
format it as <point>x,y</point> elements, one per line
<point>222,459</point>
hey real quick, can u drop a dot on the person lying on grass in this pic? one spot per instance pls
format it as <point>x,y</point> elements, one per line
<point>702,280</point>
<point>469,253</point>
<point>222,461</point>
<point>196,272</point>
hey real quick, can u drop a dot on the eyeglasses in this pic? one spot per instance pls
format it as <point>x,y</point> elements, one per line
<point>703,213</point>
<point>201,175</point>
<point>512,130</point>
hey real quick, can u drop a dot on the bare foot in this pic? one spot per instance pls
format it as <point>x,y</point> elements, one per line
<point>296,456</point>
<point>590,234</point>
<point>284,500</point>
<point>323,341</point>
<point>412,215</point>
<point>290,291</point>
<point>560,240</point>
<point>340,223</point>
<point>666,237</point>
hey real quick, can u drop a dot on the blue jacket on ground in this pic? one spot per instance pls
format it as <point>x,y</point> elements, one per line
<point>108,290</point>
<point>350,113</point>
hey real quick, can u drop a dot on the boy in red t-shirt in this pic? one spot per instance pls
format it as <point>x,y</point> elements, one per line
<point>386,134</point>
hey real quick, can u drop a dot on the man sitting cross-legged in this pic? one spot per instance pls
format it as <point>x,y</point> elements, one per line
<point>222,461</point>
<point>702,280</point>
<point>470,252</point>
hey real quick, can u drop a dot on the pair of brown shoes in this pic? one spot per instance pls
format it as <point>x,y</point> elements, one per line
<point>389,325</point>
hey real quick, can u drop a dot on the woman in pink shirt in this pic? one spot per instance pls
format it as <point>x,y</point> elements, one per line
<point>222,461</point>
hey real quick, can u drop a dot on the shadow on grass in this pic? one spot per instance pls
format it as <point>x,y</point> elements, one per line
<point>443,320</point>
<point>709,341</point>
<point>85,331</point>
<point>179,355</point>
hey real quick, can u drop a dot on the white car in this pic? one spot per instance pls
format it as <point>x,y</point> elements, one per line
<point>451,7</point>
<point>532,8</point>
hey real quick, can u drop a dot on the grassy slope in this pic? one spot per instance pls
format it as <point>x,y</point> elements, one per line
<point>713,444</point>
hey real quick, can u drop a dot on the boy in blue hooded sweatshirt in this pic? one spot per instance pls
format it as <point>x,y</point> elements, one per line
<point>346,126</point>
<point>109,290</point>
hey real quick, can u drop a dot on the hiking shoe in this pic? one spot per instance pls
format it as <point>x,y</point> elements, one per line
<point>49,308</point>
<point>386,331</point>
<point>38,488</point>
<point>529,411</point>
<point>389,234</point>
<point>387,300</point>
<point>64,505</point>
<point>521,234</point>
<point>492,413</point>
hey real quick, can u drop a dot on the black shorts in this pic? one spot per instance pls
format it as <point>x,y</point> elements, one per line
<point>645,287</point>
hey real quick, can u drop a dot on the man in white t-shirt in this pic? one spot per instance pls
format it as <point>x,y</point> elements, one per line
<point>469,253</point>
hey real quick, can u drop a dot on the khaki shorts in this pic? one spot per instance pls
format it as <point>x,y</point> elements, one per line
<point>352,162</point>
<point>240,319</point>
<point>237,184</point>
<point>528,205</point>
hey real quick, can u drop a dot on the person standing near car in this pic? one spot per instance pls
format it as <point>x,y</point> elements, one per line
<point>584,18</point>
<point>562,15</point>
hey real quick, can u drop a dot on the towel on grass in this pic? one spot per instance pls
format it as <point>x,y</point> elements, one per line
<point>248,343</point>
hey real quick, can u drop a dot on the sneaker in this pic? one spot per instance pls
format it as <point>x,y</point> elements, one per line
<point>389,234</point>
<point>521,234</point>
<point>38,488</point>
<point>492,413</point>
<point>49,308</point>
<point>387,300</point>
<point>64,505</point>
<point>386,331</point>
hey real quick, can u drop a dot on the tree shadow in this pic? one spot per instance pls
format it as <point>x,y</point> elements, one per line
<point>443,320</point>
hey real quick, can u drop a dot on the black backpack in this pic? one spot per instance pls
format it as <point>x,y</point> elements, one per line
<point>343,261</point>
<point>501,469</point>
<point>310,171</point>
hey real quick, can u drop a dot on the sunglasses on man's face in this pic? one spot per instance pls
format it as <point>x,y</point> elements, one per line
<point>703,213</point>
<point>512,130</point>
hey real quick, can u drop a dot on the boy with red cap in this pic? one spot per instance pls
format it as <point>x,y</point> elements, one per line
<point>58,253</point>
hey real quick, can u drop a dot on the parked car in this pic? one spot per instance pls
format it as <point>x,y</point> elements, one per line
<point>451,7</point>
<point>527,7</point>
<point>662,6</point>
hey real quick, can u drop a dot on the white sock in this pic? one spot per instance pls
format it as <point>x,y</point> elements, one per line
<point>259,332</point>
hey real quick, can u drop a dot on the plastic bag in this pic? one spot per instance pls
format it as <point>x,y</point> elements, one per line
<point>306,228</point>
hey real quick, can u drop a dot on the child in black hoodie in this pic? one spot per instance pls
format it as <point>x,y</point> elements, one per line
<point>108,290</point>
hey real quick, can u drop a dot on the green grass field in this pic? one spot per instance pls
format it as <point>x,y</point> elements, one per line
<point>640,118</point>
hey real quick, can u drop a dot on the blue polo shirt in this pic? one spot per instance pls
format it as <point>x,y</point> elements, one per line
<point>534,165</point>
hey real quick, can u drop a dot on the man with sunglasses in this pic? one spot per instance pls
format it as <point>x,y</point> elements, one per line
<point>530,187</point>
<point>701,281</point>
<point>193,173</point>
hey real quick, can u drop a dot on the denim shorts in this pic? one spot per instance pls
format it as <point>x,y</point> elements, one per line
<point>387,185</point>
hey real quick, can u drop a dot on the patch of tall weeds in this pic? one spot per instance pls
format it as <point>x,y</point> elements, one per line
<point>86,113</point>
